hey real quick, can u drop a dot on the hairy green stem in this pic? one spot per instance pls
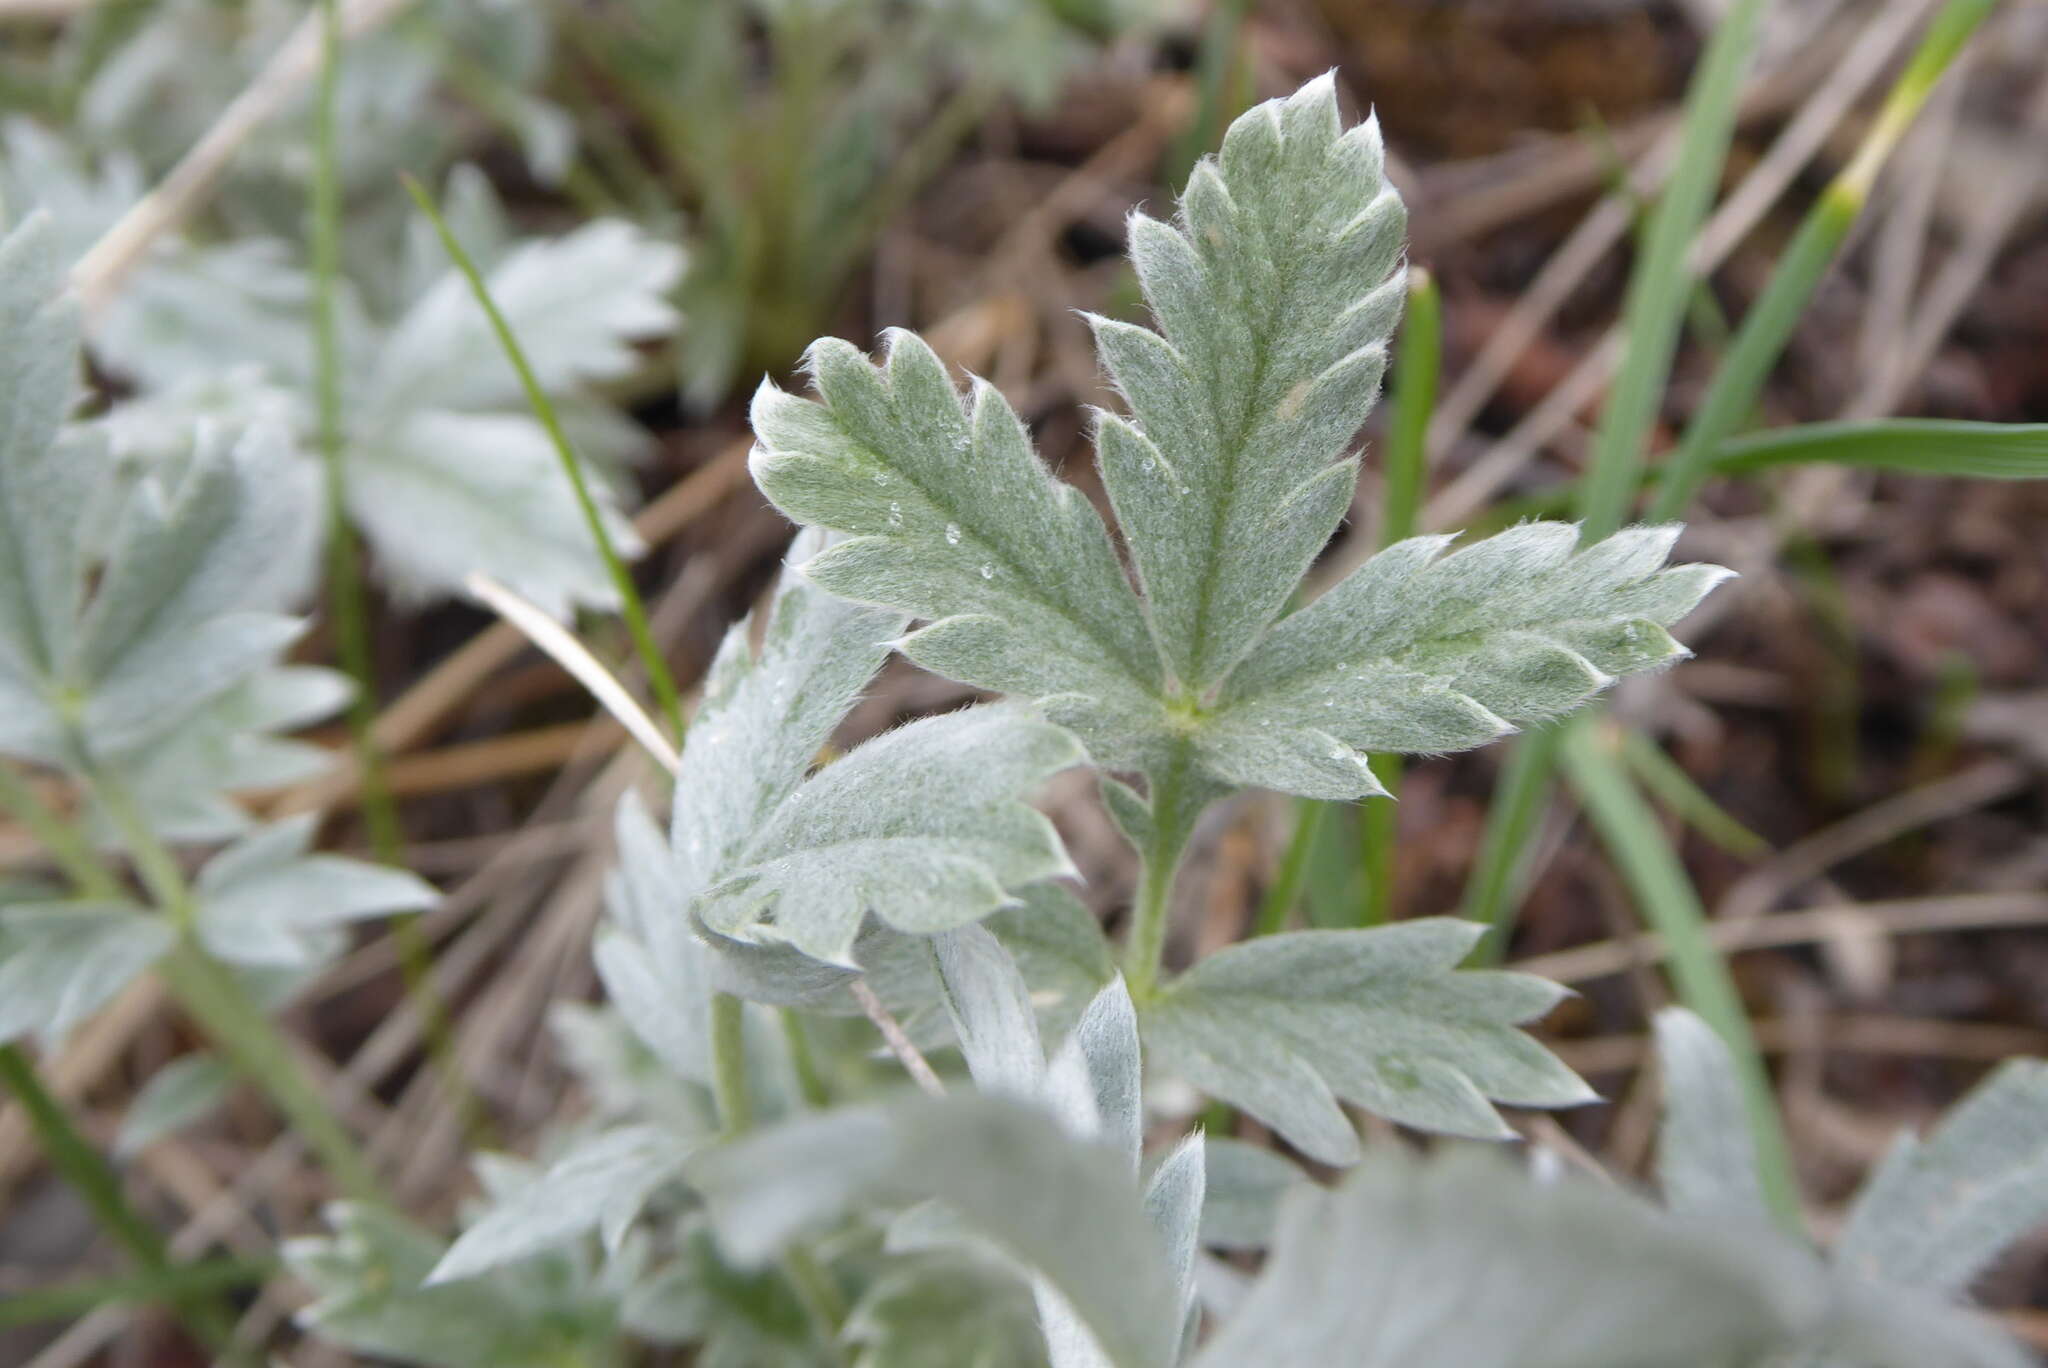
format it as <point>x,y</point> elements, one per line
<point>729,1064</point>
<point>59,839</point>
<point>346,597</point>
<point>212,995</point>
<point>1177,799</point>
<point>809,1082</point>
<point>631,608</point>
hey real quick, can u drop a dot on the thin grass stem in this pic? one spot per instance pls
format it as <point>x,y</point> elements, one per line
<point>631,607</point>
<point>1667,901</point>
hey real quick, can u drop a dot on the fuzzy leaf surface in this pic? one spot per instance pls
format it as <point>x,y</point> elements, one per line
<point>1461,1261</point>
<point>179,1094</point>
<point>1275,294</point>
<point>766,714</point>
<point>1939,1209</point>
<point>1706,1152</point>
<point>269,902</point>
<point>116,649</point>
<point>952,517</point>
<point>600,1183</point>
<point>1419,651</point>
<point>925,827</point>
<point>368,1281</point>
<point>60,962</point>
<point>1285,1027</point>
<point>1275,290</point>
<point>1066,1209</point>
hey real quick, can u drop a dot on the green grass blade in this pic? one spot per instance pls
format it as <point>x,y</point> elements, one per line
<point>1418,363</point>
<point>1670,785</point>
<point>630,606</point>
<point>1523,791</point>
<point>1660,284</point>
<point>1905,446</point>
<point>1652,315</point>
<point>1666,898</point>
<point>1739,380</point>
<point>1285,892</point>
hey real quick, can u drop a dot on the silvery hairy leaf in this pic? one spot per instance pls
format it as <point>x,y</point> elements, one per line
<point>600,1183</point>
<point>184,305</point>
<point>117,623</point>
<point>1092,1085</point>
<point>179,1094</point>
<point>952,517</point>
<point>182,781</point>
<point>1064,1208</point>
<point>923,827</point>
<point>62,961</point>
<point>945,1311</point>
<point>1935,1213</point>
<point>1422,651</point>
<point>1275,295</point>
<point>269,902</point>
<point>1941,1207</point>
<point>369,1294</point>
<point>1288,1026</point>
<point>1460,1261</point>
<point>1706,1152</point>
<point>1275,291</point>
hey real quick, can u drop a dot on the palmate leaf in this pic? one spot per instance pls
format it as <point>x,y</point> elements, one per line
<point>1286,1027</point>
<point>1460,1261</point>
<point>1275,292</point>
<point>113,652</point>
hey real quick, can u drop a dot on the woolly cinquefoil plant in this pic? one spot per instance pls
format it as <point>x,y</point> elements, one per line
<point>741,1192</point>
<point>1275,292</point>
